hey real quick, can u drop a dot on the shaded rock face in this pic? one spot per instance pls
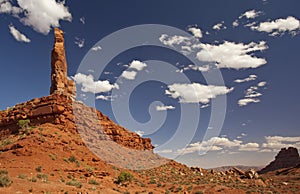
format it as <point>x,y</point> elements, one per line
<point>60,84</point>
<point>286,158</point>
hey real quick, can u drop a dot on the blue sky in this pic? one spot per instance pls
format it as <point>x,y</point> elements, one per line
<point>253,45</point>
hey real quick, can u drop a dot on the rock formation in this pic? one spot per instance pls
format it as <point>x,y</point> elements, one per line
<point>60,84</point>
<point>286,158</point>
<point>60,108</point>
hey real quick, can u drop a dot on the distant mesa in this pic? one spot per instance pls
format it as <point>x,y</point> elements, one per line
<point>286,158</point>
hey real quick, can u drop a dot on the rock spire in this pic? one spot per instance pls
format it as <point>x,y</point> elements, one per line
<point>60,84</point>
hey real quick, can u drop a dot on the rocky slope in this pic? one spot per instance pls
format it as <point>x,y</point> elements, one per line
<point>286,158</point>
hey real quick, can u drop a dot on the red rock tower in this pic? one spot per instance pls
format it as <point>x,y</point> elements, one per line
<point>60,84</point>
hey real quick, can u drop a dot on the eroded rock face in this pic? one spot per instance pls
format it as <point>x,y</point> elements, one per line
<point>73,117</point>
<point>286,158</point>
<point>60,84</point>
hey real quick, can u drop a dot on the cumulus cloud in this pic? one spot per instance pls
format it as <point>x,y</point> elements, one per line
<point>18,35</point>
<point>7,8</point>
<point>219,26</point>
<point>277,142</point>
<point>164,108</point>
<point>196,92</point>
<point>218,144</point>
<point>79,42</point>
<point>41,15</point>
<point>172,41</point>
<point>130,75</point>
<point>279,26</point>
<point>196,32</point>
<point>235,23</point>
<point>249,147</point>
<point>233,55</point>
<point>140,133</point>
<point>90,85</point>
<point>262,84</point>
<point>96,48</point>
<point>203,68</point>
<point>166,151</point>
<point>252,92</point>
<point>133,68</point>
<point>251,14</point>
<point>102,97</point>
<point>246,101</point>
<point>247,79</point>
<point>137,65</point>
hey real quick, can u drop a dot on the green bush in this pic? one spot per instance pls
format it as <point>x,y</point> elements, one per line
<point>4,181</point>
<point>75,183</point>
<point>93,182</point>
<point>38,169</point>
<point>24,124</point>
<point>124,177</point>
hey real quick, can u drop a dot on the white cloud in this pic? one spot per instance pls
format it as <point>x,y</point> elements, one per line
<point>233,55</point>
<point>218,144</point>
<point>196,32</point>
<point>164,108</point>
<point>246,101</point>
<point>130,75</point>
<point>197,68</point>
<point>196,92</point>
<point>252,92</point>
<point>219,26</point>
<point>247,79</point>
<point>249,147</point>
<point>279,26</point>
<point>89,85</point>
<point>166,151</point>
<point>18,35</point>
<point>277,142</point>
<point>251,14</point>
<point>82,20</point>
<point>8,8</point>
<point>79,42</point>
<point>96,48</point>
<point>137,65</point>
<point>102,97</point>
<point>262,84</point>
<point>174,40</point>
<point>140,133</point>
<point>41,15</point>
<point>235,23</point>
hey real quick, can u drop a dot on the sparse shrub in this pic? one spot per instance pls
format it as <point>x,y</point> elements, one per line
<point>72,159</point>
<point>152,181</point>
<point>93,182</point>
<point>52,157</point>
<point>24,125</point>
<point>44,177</point>
<point>38,169</point>
<point>22,176</point>
<point>6,142</point>
<point>124,177</point>
<point>32,179</point>
<point>4,179</point>
<point>74,183</point>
